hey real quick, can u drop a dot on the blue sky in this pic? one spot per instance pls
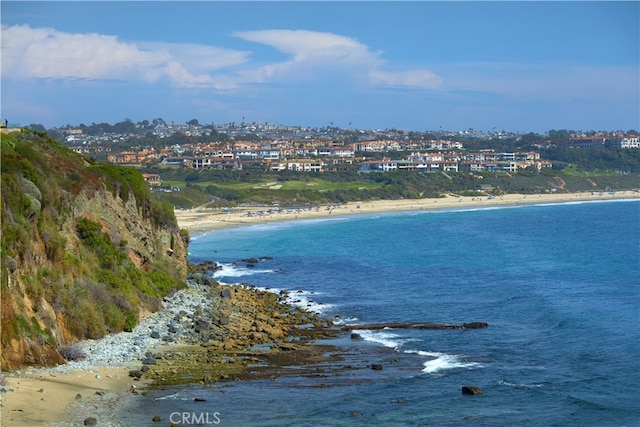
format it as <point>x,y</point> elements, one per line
<point>516,66</point>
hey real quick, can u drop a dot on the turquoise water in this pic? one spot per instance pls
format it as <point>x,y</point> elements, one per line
<point>559,286</point>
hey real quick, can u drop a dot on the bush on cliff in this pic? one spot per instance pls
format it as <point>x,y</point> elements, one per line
<point>60,269</point>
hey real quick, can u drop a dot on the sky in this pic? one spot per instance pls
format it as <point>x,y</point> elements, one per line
<point>517,66</point>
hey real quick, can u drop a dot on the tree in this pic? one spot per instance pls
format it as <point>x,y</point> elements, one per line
<point>193,122</point>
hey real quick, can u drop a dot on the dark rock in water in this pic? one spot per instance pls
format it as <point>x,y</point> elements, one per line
<point>356,413</point>
<point>135,373</point>
<point>377,367</point>
<point>225,293</point>
<point>475,325</point>
<point>355,336</point>
<point>156,419</point>
<point>199,399</point>
<point>472,390</point>
<point>90,421</point>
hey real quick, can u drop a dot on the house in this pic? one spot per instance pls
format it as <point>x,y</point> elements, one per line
<point>626,142</point>
<point>153,179</point>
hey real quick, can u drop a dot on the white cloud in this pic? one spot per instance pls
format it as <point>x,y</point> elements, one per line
<point>316,57</point>
<point>45,53</point>
<point>312,53</point>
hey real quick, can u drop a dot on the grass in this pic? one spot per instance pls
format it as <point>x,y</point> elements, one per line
<point>297,185</point>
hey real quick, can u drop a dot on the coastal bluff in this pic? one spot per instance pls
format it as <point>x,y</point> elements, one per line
<point>86,250</point>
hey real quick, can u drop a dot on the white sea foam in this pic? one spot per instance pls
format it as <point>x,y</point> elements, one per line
<point>384,337</point>
<point>347,321</point>
<point>234,270</point>
<point>181,395</point>
<point>439,362</point>
<point>524,386</point>
<point>307,300</point>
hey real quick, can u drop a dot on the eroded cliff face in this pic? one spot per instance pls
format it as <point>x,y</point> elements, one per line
<point>85,249</point>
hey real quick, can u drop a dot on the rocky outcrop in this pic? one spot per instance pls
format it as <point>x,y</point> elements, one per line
<point>471,390</point>
<point>86,248</point>
<point>416,325</point>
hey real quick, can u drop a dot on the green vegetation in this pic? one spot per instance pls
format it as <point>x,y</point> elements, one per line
<point>54,256</point>
<point>235,188</point>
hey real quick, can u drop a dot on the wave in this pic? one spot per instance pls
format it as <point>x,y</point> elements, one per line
<point>383,337</point>
<point>439,362</point>
<point>305,300</point>
<point>234,270</point>
<point>521,386</point>
<point>180,395</point>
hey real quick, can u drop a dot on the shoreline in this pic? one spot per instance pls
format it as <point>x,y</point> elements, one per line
<point>48,396</point>
<point>99,387</point>
<point>201,220</point>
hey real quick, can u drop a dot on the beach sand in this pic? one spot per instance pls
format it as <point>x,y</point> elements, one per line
<point>203,219</point>
<point>52,397</point>
<point>49,396</point>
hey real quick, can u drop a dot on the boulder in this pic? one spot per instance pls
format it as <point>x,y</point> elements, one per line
<point>471,390</point>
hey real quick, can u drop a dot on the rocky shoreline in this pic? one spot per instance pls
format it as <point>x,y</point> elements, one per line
<point>205,333</point>
<point>210,333</point>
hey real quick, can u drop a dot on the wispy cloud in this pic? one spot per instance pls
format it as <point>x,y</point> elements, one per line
<point>312,53</point>
<point>45,53</point>
<point>553,82</point>
<point>312,57</point>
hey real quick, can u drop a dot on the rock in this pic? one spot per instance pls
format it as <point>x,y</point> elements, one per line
<point>471,390</point>
<point>149,361</point>
<point>225,293</point>
<point>356,413</point>
<point>155,334</point>
<point>475,325</point>
<point>156,419</point>
<point>135,373</point>
<point>377,367</point>
<point>78,396</point>
<point>355,336</point>
<point>90,421</point>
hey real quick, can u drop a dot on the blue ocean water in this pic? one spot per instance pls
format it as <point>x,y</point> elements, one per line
<point>559,286</point>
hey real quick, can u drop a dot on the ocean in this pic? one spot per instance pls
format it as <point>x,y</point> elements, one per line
<point>558,284</point>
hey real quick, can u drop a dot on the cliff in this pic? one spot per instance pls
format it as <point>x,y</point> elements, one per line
<point>86,249</point>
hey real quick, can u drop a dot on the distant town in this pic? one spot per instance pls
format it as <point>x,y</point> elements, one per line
<point>269,147</point>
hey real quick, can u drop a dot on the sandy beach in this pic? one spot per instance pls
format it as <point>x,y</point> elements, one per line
<point>203,219</point>
<point>56,397</point>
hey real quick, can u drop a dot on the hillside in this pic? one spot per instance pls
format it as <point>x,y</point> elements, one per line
<point>86,248</point>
